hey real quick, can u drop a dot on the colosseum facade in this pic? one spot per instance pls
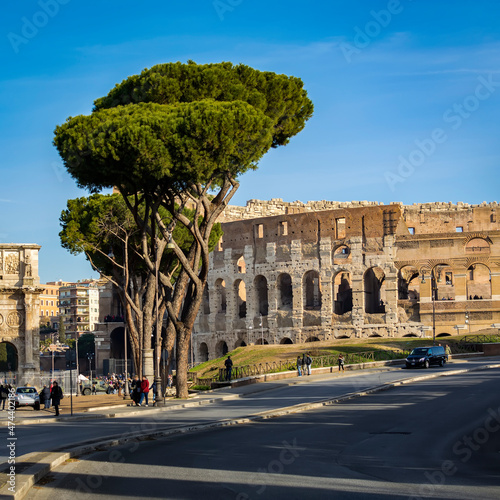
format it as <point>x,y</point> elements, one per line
<point>299,272</point>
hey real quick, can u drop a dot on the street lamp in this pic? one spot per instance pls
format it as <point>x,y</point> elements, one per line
<point>90,355</point>
<point>467,319</point>
<point>126,394</point>
<point>261,329</point>
<point>433,296</point>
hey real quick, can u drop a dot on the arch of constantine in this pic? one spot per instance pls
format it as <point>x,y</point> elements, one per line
<point>294,272</point>
<point>19,311</point>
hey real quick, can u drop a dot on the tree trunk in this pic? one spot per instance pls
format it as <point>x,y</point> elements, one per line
<point>182,364</point>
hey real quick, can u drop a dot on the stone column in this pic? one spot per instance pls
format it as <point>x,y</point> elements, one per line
<point>272,299</point>
<point>298,303</point>
<point>495,285</point>
<point>357,300</point>
<point>31,364</point>
<point>460,283</point>
<point>391,293</point>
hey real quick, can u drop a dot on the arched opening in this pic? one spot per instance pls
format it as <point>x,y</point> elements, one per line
<point>477,246</point>
<point>260,284</point>
<point>221,349</point>
<point>312,291</point>
<point>9,360</point>
<point>220,290</point>
<point>478,282</point>
<point>206,300</point>
<point>342,337</point>
<point>241,266</point>
<point>241,298</point>
<point>443,335</point>
<point>342,255</point>
<point>259,342</point>
<point>442,282</point>
<point>117,344</point>
<point>410,335</point>
<point>241,344</point>
<point>312,339</point>
<point>342,292</point>
<point>408,283</point>
<point>203,352</point>
<point>285,299</point>
<point>286,340</point>
<point>374,298</point>
<point>375,334</point>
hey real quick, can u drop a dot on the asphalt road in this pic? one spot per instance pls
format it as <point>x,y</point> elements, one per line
<point>58,435</point>
<point>434,439</point>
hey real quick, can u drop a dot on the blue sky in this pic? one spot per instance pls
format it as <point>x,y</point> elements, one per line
<point>406,95</point>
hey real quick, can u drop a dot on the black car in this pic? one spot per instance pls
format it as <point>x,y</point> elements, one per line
<point>426,356</point>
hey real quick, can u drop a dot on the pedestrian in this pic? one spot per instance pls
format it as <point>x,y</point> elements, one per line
<point>229,368</point>
<point>152,390</point>
<point>299,365</point>
<point>94,390</point>
<point>144,391</point>
<point>341,362</point>
<point>135,393</point>
<point>308,363</point>
<point>4,394</point>
<point>448,349</point>
<point>56,395</point>
<point>170,381</point>
<point>46,397</point>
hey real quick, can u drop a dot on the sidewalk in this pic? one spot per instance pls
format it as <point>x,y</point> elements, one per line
<point>35,465</point>
<point>114,406</point>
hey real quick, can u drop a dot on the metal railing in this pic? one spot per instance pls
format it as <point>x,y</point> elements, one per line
<point>291,365</point>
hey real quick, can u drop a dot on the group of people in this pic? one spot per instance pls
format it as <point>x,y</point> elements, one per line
<point>304,363</point>
<point>140,389</point>
<point>52,394</point>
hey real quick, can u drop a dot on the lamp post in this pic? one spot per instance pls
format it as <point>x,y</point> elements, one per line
<point>261,329</point>
<point>126,394</point>
<point>467,319</point>
<point>90,355</point>
<point>433,297</point>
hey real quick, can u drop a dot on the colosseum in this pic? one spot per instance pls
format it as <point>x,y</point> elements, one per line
<point>301,272</point>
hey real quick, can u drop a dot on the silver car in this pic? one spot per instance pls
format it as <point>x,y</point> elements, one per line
<point>27,396</point>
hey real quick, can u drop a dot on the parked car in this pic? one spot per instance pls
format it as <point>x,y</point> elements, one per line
<point>27,396</point>
<point>426,356</point>
<point>100,386</point>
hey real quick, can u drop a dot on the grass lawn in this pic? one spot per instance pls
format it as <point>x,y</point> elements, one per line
<point>257,354</point>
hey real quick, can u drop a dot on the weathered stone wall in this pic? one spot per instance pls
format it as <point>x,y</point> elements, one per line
<point>338,270</point>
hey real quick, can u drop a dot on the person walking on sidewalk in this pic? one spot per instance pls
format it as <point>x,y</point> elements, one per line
<point>45,397</point>
<point>4,394</point>
<point>341,362</point>
<point>135,393</point>
<point>299,365</point>
<point>56,395</point>
<point>308,363</point>
<point>144,390</point>
<point>229,368</point>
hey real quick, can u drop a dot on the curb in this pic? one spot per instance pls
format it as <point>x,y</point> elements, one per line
<point>45,462</point>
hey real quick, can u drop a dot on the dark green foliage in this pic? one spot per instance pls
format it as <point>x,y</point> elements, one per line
<point>86,344</point>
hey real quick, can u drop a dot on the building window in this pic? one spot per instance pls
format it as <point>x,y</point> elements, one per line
<point>259,230</point>
<point>41,313</point>
<point>41,302</point>
<point>459,229</point>
<point>340,228</point>
<point>448,278</point>
<point>283,228</point>
<point>411,230</point>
